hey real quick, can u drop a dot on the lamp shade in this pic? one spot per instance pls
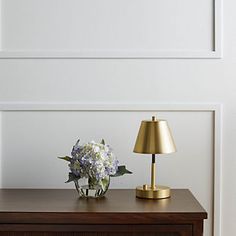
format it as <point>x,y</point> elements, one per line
<point>154,137</point>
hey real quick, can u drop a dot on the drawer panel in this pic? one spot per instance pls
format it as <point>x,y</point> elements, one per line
<point>95,230</point>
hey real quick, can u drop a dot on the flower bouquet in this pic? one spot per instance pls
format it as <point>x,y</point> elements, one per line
<point>91,166</point>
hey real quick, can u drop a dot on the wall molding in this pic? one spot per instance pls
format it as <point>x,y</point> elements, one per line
<point>215,52</point>
<point>112,54</point>
<point>0,148</point>
<point>77,106</point>
<point>216,109</point>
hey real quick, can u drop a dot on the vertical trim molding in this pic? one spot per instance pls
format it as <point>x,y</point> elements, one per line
<point>217,170</point>
<point>1,17</point>
<point>0,149</point>
<point>218,37</point>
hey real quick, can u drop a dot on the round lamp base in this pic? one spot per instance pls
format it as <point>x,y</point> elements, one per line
<point>159,192</point>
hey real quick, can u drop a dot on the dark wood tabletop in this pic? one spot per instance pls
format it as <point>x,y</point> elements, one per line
<point>35,203</point>
<point>66,200</point>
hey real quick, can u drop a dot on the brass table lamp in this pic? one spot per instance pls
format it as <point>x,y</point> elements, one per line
<point>154,137</point>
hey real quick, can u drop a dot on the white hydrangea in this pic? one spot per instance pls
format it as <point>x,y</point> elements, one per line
<point>93,160</point>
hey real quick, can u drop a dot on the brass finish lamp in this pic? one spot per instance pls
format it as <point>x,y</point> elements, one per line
<point>154,137</point>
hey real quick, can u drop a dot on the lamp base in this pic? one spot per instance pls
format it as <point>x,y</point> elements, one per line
<point>159,192</point>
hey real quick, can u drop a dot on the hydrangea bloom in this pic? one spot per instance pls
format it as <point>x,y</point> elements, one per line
<point>93,160</point>
<point>94,163</point>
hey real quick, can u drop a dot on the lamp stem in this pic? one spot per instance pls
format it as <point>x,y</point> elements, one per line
<point>153,172</point>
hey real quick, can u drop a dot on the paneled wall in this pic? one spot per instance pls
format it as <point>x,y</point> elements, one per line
<point>175,57</point>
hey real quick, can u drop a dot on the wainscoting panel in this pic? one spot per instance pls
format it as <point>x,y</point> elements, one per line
<point>34,135</point>
<point>111,29</point>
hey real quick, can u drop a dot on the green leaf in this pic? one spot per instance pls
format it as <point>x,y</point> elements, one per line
<point>104,183</point>
<point>72,177</point>
<point>103,142</point>
<point>121,171</point>
<point>66,158</point>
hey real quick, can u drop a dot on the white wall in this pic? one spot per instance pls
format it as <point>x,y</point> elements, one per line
<point>139,81</point>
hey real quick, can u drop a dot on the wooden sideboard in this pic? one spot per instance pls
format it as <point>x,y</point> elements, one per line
<point>59,212</point>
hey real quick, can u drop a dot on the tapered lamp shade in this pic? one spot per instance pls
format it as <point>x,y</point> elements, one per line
<point>154,137</point>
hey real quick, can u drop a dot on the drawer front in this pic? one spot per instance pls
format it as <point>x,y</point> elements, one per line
<point>92,234</point>
<point>95,230</point>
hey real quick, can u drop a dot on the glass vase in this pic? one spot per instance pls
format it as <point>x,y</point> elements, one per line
<point>91,188</point>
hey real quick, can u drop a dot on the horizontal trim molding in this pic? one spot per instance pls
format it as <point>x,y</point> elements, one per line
<point>112,54</point>
<point>73,106</point>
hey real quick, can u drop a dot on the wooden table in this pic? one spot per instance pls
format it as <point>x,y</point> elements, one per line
<point>60,213</point>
